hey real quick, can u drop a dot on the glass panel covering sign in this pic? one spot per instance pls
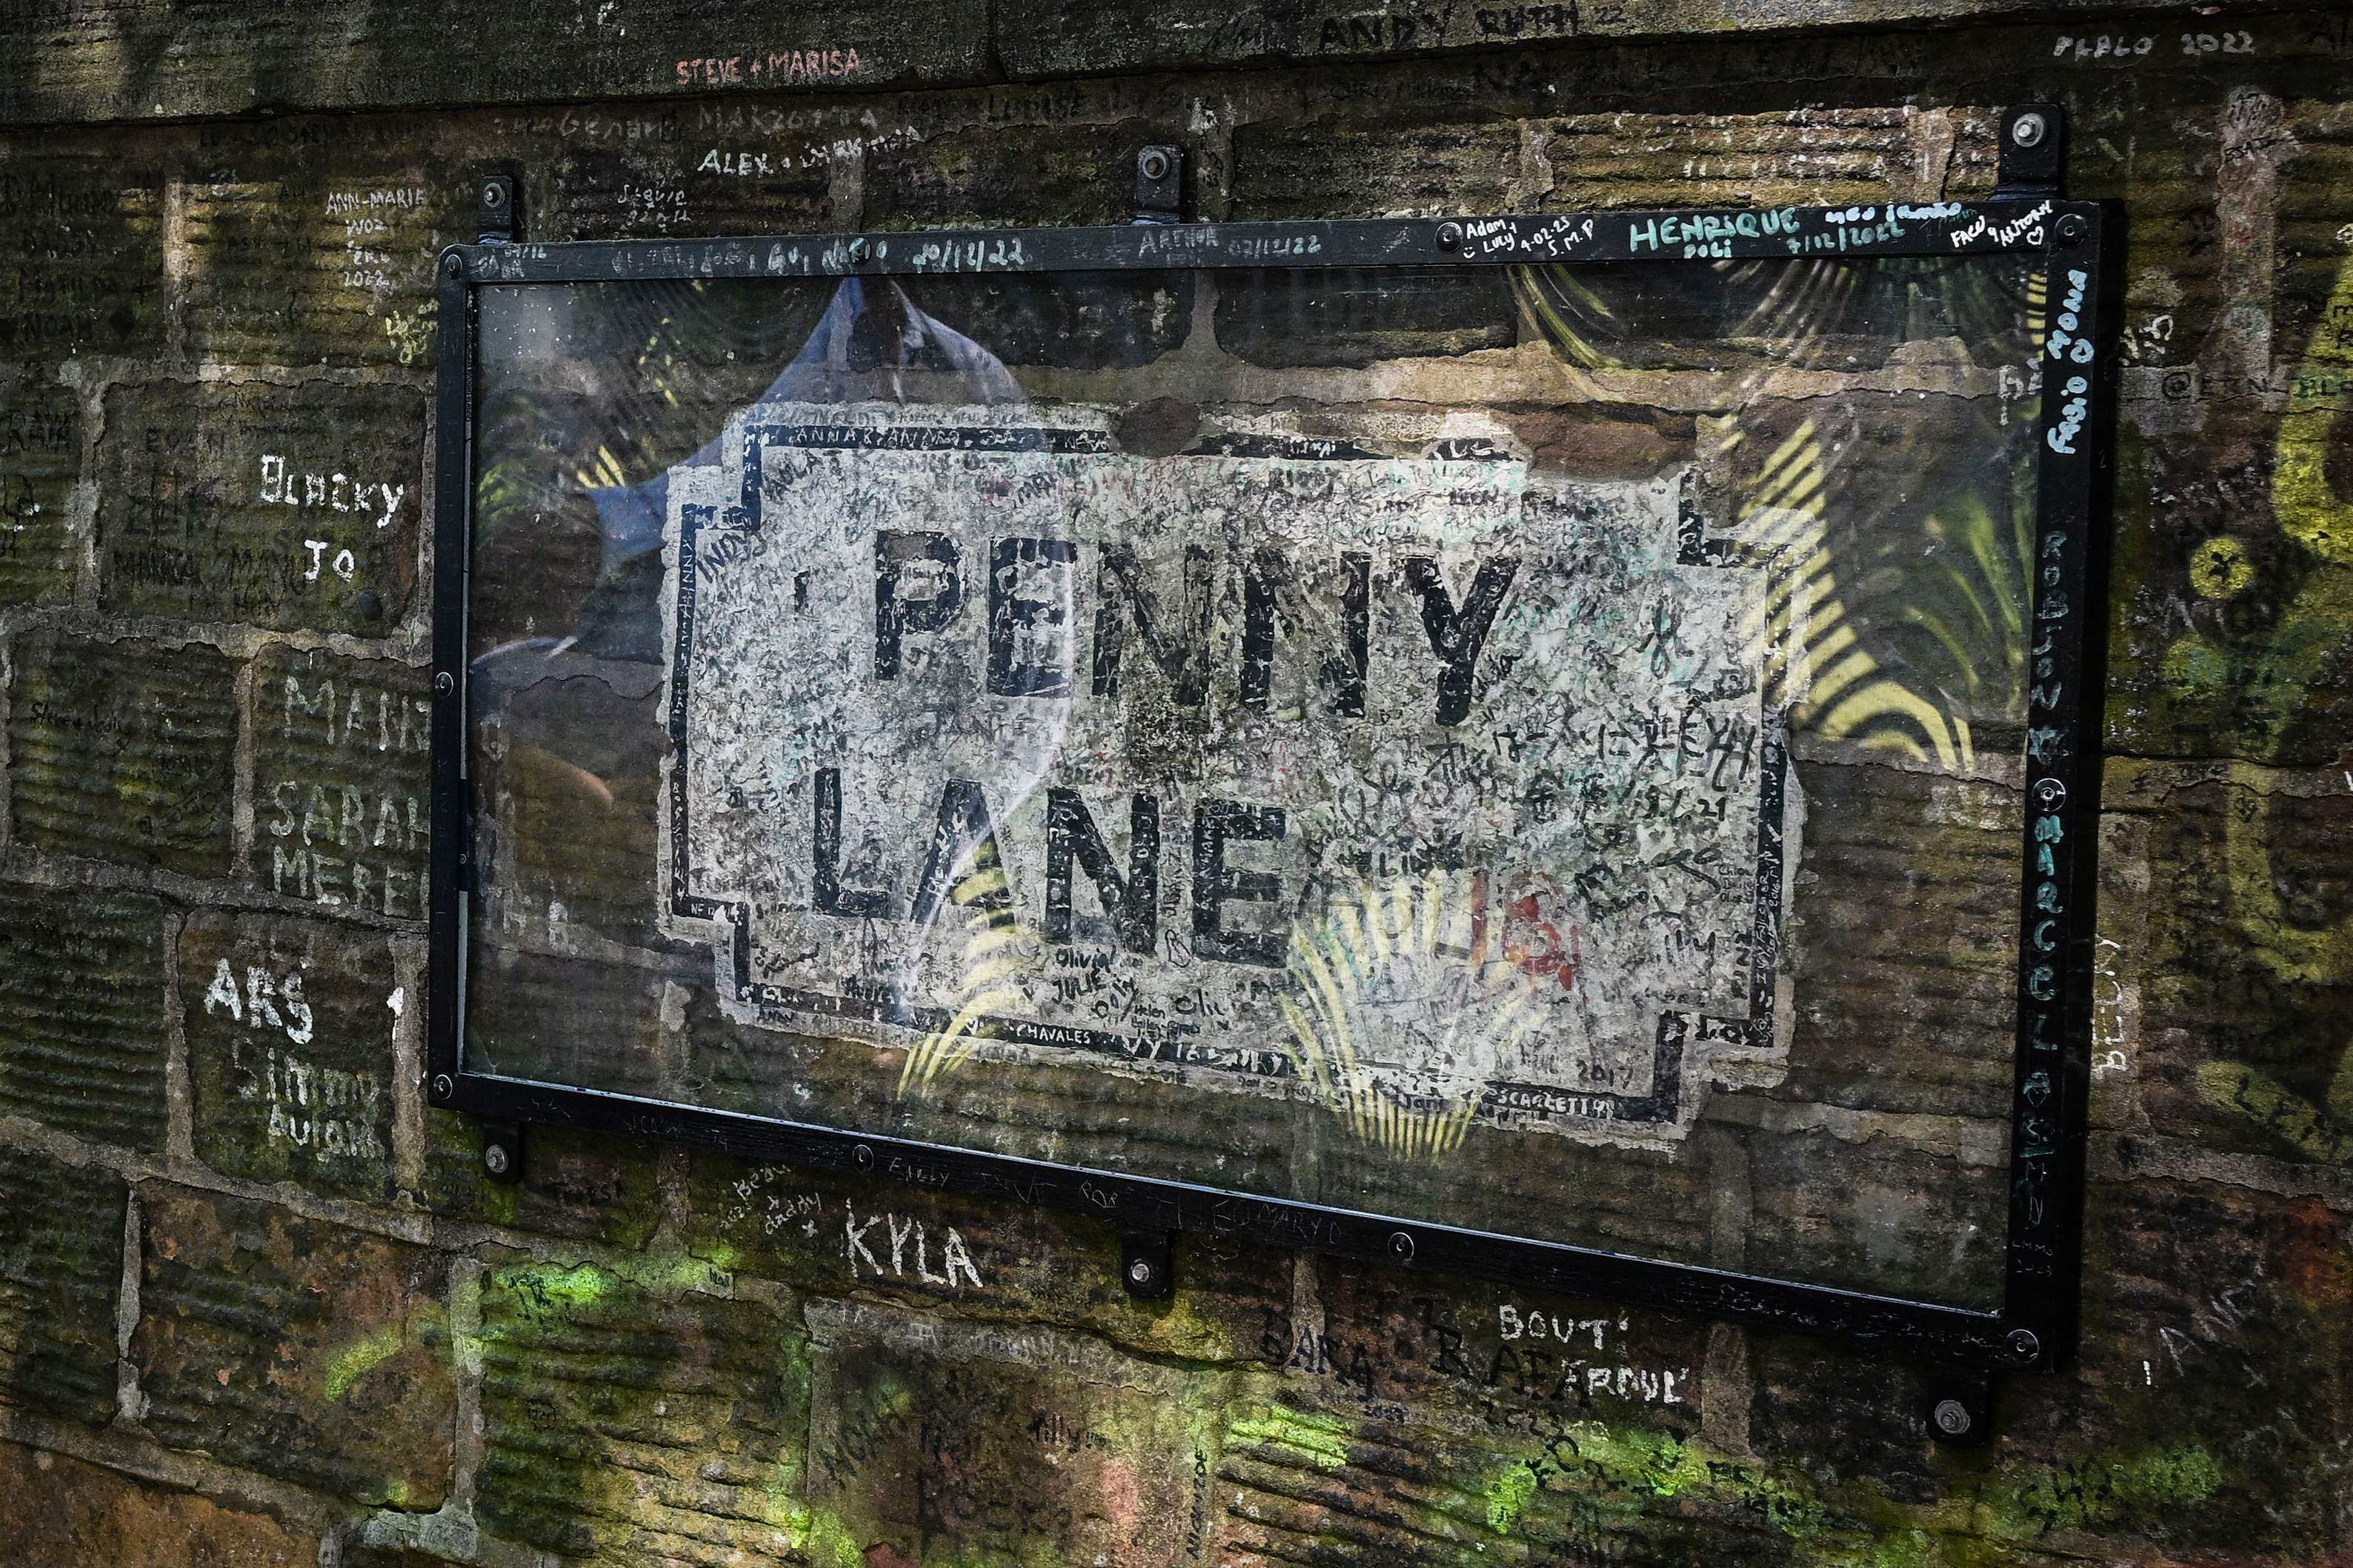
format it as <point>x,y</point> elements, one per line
<point>1540,748</point>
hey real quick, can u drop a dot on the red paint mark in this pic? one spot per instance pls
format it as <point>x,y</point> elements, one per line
<point>1542,953</point>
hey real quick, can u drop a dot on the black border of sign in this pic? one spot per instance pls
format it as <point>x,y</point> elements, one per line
<point>2035,1328</point>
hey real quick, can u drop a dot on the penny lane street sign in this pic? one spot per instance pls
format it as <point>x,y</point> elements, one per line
<point>1413,779</point>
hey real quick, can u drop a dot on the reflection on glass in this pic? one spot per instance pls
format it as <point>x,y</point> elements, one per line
<point>1532,749</point>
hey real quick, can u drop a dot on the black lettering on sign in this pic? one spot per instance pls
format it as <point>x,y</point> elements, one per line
<point>1133,901</point>
<point>964,864</point>
<point>1029,617</point>
<point>921,560</point>
<point>1457,635</point>
<point>1267,587</point>
<point>1215,884</point>
<point>1181,649</point>
<point>825,872</point>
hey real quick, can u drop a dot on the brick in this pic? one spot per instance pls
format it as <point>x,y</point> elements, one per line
<point>392,1557</point>
<point>311,260</point>
<point>2213,1370</point>
<point>2250,880</point>
<point>1388,165</point>
<point>565,782</point>
<point>1017,1443</point>
<point>40,458</point>
<point>565,1020</point>
<point>1088,321</point>
<point>1904,942</point>
<point>1810,158</point>
<point>1868,1214</point>
<point>1298,1479</point>
<point>275,506</point>
<point>63,1510</point>
<point>342,782</point>
<point>1292,318</point>
<point>586,1186</point>
<point>121,751</point>
<point>81,263</point>
<point>812,1231</point>
<point>1098,36</point>
<point>1370,168</point>
<point>740,1066</point>
<point>1389,1343</point>
<point>1070,175</point>
<point>1375,1416</point>
<point>82,1012</point>
<point>290,1051</point>
<point>1151,1129</point>
<point>294,1347</point>
<point>746,181</point>
<point>1093,36</point>
<point>640,1416</point>
<point>1845,1415</point>
<point>2230,636</point>
<point>60,1269</point>
<point>2258,673</point>
<point>1602,440</point>
<point>1639,1199</point>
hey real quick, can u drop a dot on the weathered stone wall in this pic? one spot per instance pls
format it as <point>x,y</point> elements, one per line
<point>258,1306</point>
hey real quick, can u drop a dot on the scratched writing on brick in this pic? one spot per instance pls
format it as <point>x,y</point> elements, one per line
<point>339,794</point>
<point>332,1112</point>
<point>262,504</point>
<point>1407,782</point>
<point>877,1245</point>
<point>369,217</point>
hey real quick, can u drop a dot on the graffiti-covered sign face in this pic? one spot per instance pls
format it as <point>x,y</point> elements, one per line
<point>1426,788</point>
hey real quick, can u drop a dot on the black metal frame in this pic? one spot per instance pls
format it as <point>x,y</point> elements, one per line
<point>2035,1327</point>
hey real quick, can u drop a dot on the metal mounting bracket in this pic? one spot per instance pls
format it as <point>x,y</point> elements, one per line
<point>502,1151</point>
<point>494,209</point>
<point>2033,158</point>
<point>1146,1264</point>
<point>1159,184</point>
<point>1957,1403</point>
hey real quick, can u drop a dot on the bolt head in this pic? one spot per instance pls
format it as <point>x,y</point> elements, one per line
<point>2051,793</point>
<point>443,683</point>
<point>494,194</point>
<point>858,249</point>
<point>1140,1271</point>
<point>1952,1417</point>
<point>1153,163</point>
<point>2028,131</point>
<point>442,1087</point>
<point>495,1159</point>
<point>863,1155</point>
<point>1401,1244</point>
<point>452,266</point>
<point>2023,1344</point>
<point>2072,228</point>
<point>1450,235</point>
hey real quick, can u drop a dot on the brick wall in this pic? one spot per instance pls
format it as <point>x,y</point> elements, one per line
<point>256,1304</point>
